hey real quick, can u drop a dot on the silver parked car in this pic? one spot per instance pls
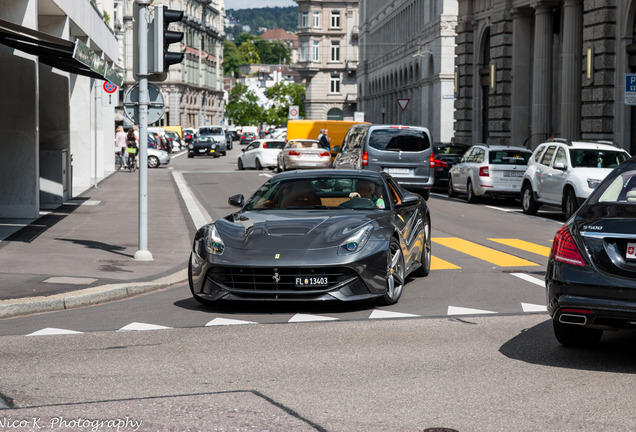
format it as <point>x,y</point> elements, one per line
<point>489,171</point>
<point>303,153</point>
<point>157,157</point>
<point>402,151</point>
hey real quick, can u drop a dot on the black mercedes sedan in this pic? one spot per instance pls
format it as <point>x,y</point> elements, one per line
<point>591,272</point>
<point>314,235</point>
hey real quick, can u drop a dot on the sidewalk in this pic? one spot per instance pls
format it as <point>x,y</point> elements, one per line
<point>82,252</point>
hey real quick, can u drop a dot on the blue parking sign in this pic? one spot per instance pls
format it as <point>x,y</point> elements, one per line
<point>630,89</point>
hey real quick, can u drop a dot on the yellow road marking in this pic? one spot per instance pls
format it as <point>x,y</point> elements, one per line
<point>482,252</point>
<point>524,245</point>
<point>440,264</point>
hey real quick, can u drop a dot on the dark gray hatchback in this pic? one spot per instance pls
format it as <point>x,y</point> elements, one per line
<point>402,151</point>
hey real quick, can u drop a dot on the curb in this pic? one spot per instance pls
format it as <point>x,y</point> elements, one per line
<point>86,297</point>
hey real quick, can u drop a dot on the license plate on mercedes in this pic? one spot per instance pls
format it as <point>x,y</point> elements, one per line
<point>312,281</point>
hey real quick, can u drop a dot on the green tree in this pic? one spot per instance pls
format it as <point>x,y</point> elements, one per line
<point>243,107</point>
<point>248,54</point>
<point>283,96</point>
<point>231,58</point>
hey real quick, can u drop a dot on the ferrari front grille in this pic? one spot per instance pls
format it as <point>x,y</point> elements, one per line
<point>280,279</point>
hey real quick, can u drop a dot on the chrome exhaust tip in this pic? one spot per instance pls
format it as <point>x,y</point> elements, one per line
<point>575,319</point>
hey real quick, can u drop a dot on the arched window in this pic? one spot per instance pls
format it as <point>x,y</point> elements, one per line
<point>335,114</point>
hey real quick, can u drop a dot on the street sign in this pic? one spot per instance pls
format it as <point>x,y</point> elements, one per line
<point>111,96</point>
<point>294,112</point>
<point>630,89</point>
<point>403,103</point>
<point>156,103</point>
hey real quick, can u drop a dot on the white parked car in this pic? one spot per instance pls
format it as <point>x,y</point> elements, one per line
<point>488,171</point>
<point>260,153</point>
<point>157,157</point>
<point>564,173</point>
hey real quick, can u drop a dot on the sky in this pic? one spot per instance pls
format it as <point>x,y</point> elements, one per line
<point>249,4</point>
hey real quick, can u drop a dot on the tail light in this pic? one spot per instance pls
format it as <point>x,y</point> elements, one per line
<point>436,163</point>
<point>484,172</point>
<point>264,145</point>
<point>325,154</point>
<point>564,249</point>
<point>365,158</point>
<point>294,153</point>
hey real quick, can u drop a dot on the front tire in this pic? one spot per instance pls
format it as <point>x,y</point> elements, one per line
<point>395,276</point>
<point>577,336</point>
<point>425,259</point>
<point>528,204</point>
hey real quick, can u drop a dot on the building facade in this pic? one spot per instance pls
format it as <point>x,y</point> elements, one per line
<point>328,57</point>
<point>57,133</point>
<point>530,70</point>
<point>407,51</point>
<point>193,90</point>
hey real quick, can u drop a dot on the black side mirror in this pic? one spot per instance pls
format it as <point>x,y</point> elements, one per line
<point>409,199</point>
<point>236,200</point>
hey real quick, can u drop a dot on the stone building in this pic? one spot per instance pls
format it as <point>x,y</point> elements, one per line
<point>193,91</point>
<point>528,70</point>
<point>407,50</point>
<point>328,57</point>
<point>57,135</point>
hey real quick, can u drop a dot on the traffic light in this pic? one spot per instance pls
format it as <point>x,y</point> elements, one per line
<point>163,38</point>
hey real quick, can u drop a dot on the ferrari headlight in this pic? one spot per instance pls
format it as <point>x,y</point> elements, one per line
<point>356,242</point>
<point>190,146</point>
<point>213,242</point>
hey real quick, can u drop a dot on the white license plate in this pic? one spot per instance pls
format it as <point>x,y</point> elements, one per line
<point>201,150</point>
<point>397,170</point>
<point>513,174</point>
<point>631,251</point>
<point>312,281</point>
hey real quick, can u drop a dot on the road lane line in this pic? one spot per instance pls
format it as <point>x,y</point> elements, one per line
<point>198,214</point>
<point>530,279</point>
<point>483,253</point>
<point>524,245</point>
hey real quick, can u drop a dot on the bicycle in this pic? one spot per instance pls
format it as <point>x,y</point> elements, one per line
<point>132,153</point>
<point>119,160</point>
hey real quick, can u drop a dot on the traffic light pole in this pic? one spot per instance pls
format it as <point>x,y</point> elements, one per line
<point>143,254</point>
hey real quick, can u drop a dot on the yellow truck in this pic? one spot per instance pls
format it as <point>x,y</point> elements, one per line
<point>310,129</point>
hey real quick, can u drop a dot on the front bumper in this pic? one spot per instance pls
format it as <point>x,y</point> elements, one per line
<point>350,280</point>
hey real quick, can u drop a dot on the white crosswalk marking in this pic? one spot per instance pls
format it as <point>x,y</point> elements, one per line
<point>528,307</point>
<point>382,314</point>
<point>310,318</point>
<point>530,279</point>
<point>53,331</point>
<point>227,321</point>
<point>142,326</point>
<point>455,310</point>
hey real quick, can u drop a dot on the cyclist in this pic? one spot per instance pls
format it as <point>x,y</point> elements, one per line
<point>131,149</point>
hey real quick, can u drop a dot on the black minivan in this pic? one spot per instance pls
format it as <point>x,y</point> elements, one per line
<point>405,152</point>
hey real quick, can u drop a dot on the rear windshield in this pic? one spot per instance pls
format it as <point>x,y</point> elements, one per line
<point>274,144</point>
<point>620,190</point>
<point>397,139</point>
<point>592,158</point>
<point>211,130</point>
<point>450,149</point>
<point>508,157</point>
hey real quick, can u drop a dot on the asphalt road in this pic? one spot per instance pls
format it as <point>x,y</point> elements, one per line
<point>468,347</point>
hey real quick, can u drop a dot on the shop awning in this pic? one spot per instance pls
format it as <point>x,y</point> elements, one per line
<point>74,57</point>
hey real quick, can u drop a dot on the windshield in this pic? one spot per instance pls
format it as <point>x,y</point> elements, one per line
<point>211,131</point>
<point>320,193</point>
<point>508,157</point>
<point>593,158</point>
